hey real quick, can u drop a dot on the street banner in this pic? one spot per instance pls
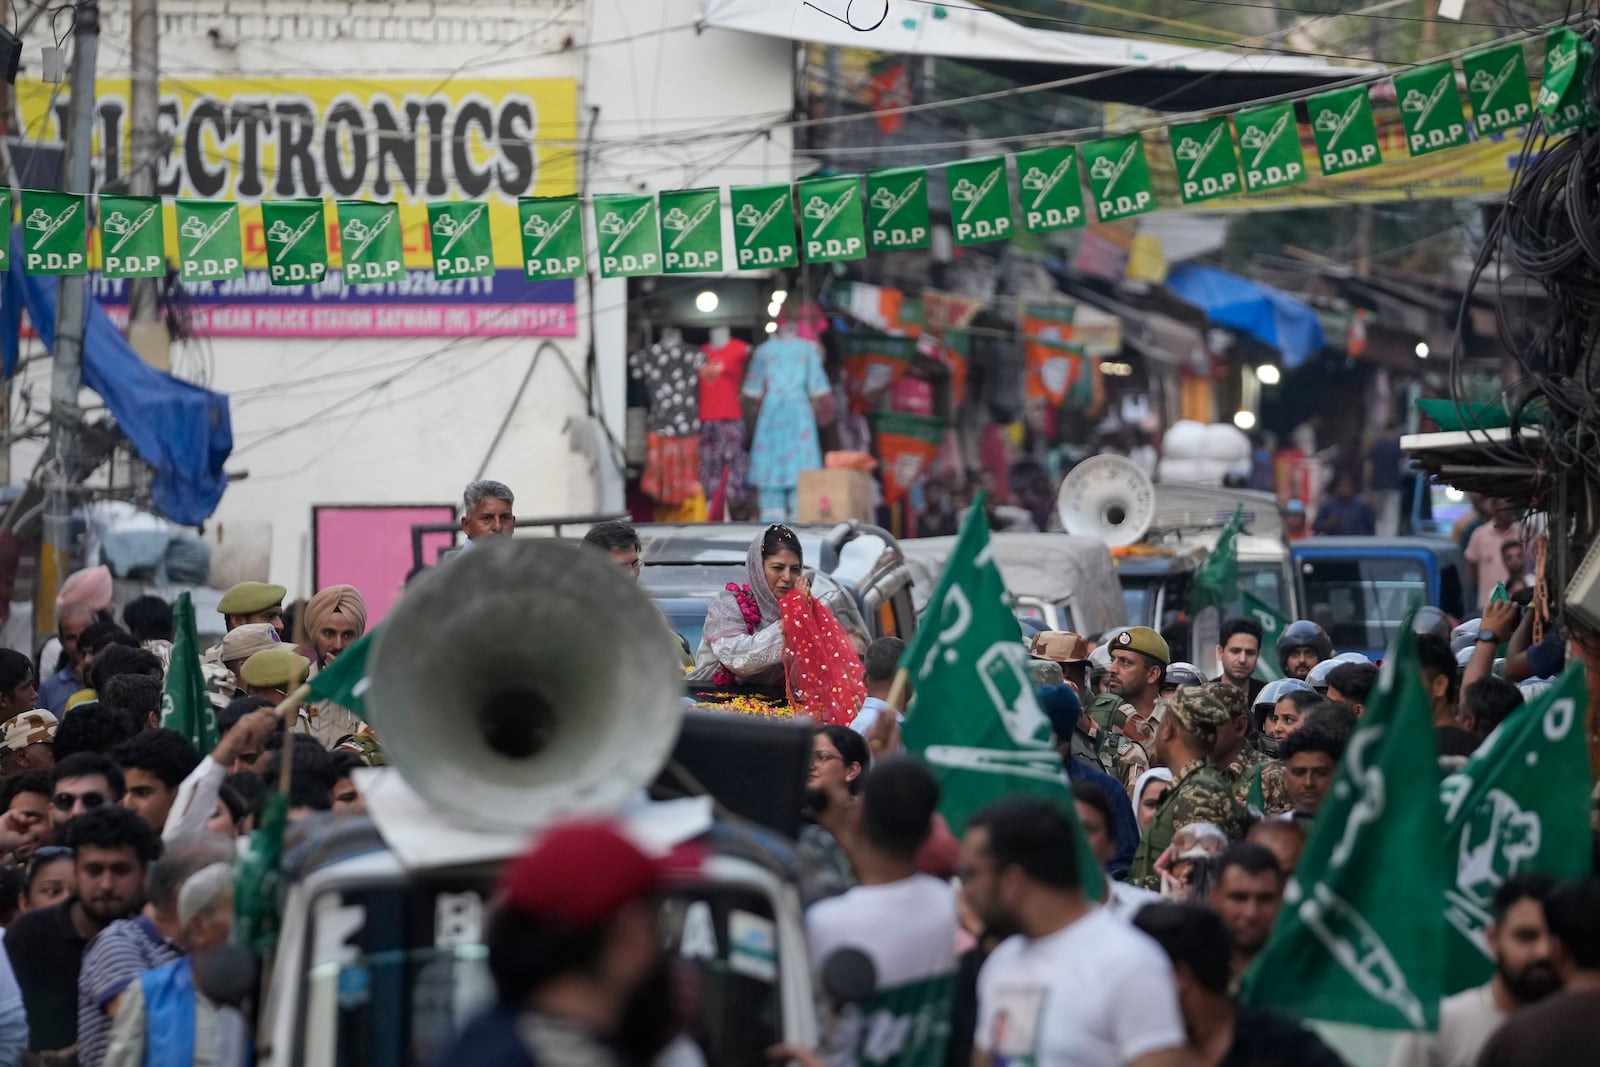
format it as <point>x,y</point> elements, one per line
<point>1347,138</point>
<point>1269,142</point>
<point>630,242</point>
<point>1216,582</point>
<point>1497,85</point>
<point>907,445</point>
<point>980,200</point>
<point>1272,626</point>
<point>369,242</point>
<point>344,681</point>
<point>209,247</point>
<point>297,241</point>
<point>552,237</point>
<point>764,226</point>
<point>873,364</point>
<point>185,707</point>
<point>1520,804</point>
<point>955,352</point>
<point>1207,165</point>
<point>1573,109</point>
<point>897,208</point>
<point>831,222</point>
<point>131,239</point>
<point>691,231</point>
<point>1052,195</point>
<point>463,245</point>
<point>1430,108</point>
<point>1564,53</point>
<point>54,233</point>
<point>1119,177</point>
<point>1052,367</point>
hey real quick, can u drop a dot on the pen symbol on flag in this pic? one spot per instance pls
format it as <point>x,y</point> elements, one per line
<point>891,204</point>
<point>1036,181</point>
<point>195,228</point>
<point>1111,173</point>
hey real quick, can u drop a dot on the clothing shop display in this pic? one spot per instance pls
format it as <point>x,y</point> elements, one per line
<point>724,462</point>
<point>786,375</point>
<point>669,370</point>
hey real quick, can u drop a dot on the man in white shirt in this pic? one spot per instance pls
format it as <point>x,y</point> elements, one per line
<point>905,922</point>
<point>1074,986</point>
<point>881,663</point>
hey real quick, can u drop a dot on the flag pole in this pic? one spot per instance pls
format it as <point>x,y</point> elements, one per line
<point>897,688</point>
<point>286,711</point>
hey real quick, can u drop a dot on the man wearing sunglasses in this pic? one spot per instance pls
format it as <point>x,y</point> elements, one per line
<point>81,783</point>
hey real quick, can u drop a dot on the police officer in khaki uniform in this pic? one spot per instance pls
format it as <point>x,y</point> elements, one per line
<point>241,605</point>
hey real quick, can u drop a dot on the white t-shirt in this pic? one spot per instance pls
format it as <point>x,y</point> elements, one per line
<point>1097,993</point>
<point>908,930</point>
<point>1126,900</point>
<point>1466,1021</point>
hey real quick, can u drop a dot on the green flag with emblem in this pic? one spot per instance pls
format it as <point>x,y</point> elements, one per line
<point>131,241</point>
<point>763,226</point>
<point>1272,626</point>
<point>1359,939</point>
<point>55,233</point>
<point>185,707</point>
<point>1572,109</point>
<point>1119,177</point>
<point>897,208</point>
<point>1341,122</point>
<point>691,231</point>
<point>625,227</point>
<point>1521,803</point>
<point>1217,581</point>
<point>458,233</point>
<point>1052,198</point>
<point>369,242</point>
<point>1564,52</point>
<point>1269,147</point>
<point>831,222</point>
<point>552,237</point>
<point>297,241</point>
<point>344,680</point>
<point>1497,85</point>
<point>974,716</point>
<point>980,200</point>
<point>209,246</point>
<point>1430,108</point>
<point>1207,166</point>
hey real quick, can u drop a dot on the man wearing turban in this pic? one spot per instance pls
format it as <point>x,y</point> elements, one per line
<point>85,598</point>
<point>335,618</point>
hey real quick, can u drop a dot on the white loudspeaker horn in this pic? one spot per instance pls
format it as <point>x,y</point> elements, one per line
<point>1108,498</point>
<point>524,681</point>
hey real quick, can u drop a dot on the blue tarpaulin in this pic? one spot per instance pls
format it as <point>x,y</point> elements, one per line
<point>181,430</point>
<point>1271,316</point>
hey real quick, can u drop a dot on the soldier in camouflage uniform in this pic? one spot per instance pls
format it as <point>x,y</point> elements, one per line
<point>1239,762</point>
<point>1185,741</point>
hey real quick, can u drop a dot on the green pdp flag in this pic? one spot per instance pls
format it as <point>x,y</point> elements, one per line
<point>1572,110</point>
<point>344,681</point>
<point>831,221</point>
<point>630,243</point>
<point>1430,108</point>
<point>1359,940</point>
<point>1207,166</point>
<point>55,233</point>
<point>691,231</point>
<point>1564,67</point>
<point>1520,804</point>
<point>1217,581</point>
<point>463,246</point>
<point>1497,85</point>
<point>552,237</point>
<point>974,716</point>
<point>763,226</point>
<point>185,707</point>
<point>1272,626</point>
<point>131,241</point>
<point>1052,199</point>
<point>980,200</point>
<point>1269,146</point>
<point>369,242</point>
<point>1119,177</point>
<point>897,208</point>
<point>297,241</point>
<point>209,246</point>
<point>1341,122</point>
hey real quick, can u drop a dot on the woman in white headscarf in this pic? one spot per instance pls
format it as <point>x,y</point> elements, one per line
<point>742,642</point>
<point>1148,793</point>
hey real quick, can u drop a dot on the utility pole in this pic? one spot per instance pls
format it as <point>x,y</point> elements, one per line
<point>147,333</point>
<point>66,379</point>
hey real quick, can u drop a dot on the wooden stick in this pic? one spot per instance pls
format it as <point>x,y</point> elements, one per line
<point>897,689</point>
<point>288,712</point>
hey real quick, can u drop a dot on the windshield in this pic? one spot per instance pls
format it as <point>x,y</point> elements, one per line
<point>1138,602</point>
<point>1361,603</point>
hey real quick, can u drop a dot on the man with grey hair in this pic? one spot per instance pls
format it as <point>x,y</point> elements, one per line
<point>486,511</point>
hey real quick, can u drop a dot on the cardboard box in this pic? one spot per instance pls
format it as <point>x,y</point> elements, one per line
<point>834,496</point>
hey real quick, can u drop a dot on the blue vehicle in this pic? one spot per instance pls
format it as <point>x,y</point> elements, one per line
<point>1360,588</point>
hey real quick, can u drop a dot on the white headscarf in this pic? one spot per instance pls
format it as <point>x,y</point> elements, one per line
<point>1162,774</point>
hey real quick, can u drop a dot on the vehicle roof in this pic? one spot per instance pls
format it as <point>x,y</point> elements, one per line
<point>1361,546</point>
<point>1209,507</point>
<point>823,546</point>
<point>1155,565</point>
<point>1050,566</point>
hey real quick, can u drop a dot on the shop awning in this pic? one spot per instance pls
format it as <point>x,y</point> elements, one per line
<point>1270,315</point>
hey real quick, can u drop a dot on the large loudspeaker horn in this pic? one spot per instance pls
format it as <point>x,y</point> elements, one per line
<point>1108,498</point>
<point>525,681</point>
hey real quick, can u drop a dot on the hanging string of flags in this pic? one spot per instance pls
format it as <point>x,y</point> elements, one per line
<point>680,231</point>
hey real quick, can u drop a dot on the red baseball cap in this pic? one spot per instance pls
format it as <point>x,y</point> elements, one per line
<point>582,873</point>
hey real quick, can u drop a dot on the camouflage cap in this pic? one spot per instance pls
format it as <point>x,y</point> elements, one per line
<point>36,727</point>
<point>364,745</point>
<point>1046,672</point>
<point>247,598</point>
<point>1199,711</point>
<point>1235,699</point>
<point>1063,646</point>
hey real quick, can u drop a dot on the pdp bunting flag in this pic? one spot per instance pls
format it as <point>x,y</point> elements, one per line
<point>463,246</point>
<point>131,244</point>
<point>1572,109</point>
<point>1521,803</point>
<point>5,246</point>
<point>369,242</point>
<point>831,221</point>
<point>1564,53</point>
<point>980,200</point>
<point>55,234</point>
<point>297,241</point>
<point>1269,147</point>
<point>1272,626</point>
<point>897,208</point>
<point>907,444</point>
<point>763,226</point>
<point>691,231</point>
<point>185,707</point>
<point>552,237</point>
<point>1430,108</point>
<point>1341,122</point>
<point>630,243</point>
<point>1119,177</point>
<point>1497,85</point>
<point>209,247</point>
<point>1052,198</point>
<point>1358,941</point>
<point>1204,155</point>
